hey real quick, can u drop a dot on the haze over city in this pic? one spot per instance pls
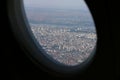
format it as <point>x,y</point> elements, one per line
<point>60,4</point>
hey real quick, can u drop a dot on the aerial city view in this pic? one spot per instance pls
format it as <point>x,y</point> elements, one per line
<point>67,35</point>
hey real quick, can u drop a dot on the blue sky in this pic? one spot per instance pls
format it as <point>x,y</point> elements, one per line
<point>61,4</point>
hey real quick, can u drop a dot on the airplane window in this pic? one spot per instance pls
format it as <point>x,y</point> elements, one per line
<point>63,28</point>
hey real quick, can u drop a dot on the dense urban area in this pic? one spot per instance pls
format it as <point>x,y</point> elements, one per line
<point>68,37</point>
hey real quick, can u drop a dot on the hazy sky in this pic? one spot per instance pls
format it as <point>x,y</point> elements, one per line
<point>67,4</point>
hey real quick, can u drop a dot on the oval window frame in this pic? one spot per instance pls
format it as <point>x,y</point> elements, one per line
<point>20,26</point>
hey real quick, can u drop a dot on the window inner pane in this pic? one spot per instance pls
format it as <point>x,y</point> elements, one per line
<point>64,28</point>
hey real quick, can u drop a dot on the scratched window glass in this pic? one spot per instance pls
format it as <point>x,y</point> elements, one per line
<point>64,28</point>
